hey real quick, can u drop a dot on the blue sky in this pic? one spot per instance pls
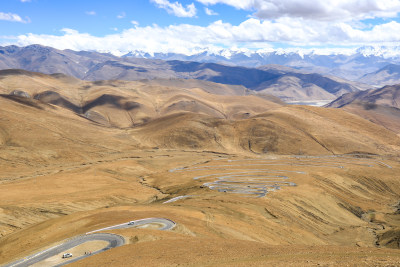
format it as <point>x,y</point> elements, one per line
<point>190,26</point>
<point>102,17</point>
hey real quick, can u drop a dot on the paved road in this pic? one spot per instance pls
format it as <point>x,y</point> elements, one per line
<point>112,239</point>
<point>175,199</point>
<point>167,224</point>
<point>251,184</point>
<point>246,178</point>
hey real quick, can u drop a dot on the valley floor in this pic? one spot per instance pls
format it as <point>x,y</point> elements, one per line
<point>230,209</point>
<point>247,179</point>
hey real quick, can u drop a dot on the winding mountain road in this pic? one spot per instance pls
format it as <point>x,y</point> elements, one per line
<point>246,177</point>
<point>113,241</point>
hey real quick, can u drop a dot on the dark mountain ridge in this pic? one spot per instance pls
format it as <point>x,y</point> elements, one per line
<point>388,75</point>
<point>283,82</point>
<point>386,96</point>
<point>381,106</point>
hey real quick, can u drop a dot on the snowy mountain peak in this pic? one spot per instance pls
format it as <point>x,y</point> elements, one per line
<point>379,51</point>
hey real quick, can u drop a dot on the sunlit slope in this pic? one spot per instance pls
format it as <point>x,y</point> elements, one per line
<point>64,174</point>
<point>380,106</point>
<point>126,104</point>
<point>336,131</point>
<point>34,133</point>
<point>178,117</point>
<point>340,202</point>
<point>388,117</point>
<point>282,130</point>
<point>286,130</point>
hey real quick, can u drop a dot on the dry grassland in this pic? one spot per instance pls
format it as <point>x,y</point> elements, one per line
<point>63,175</point>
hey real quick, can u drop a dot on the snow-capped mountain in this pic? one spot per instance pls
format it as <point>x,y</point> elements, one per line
<point>284,82</point>
<point>350,64</point>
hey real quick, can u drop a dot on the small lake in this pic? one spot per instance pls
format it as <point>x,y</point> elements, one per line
<point>315,103</point>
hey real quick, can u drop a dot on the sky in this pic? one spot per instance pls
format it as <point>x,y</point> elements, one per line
<point>193,26</point>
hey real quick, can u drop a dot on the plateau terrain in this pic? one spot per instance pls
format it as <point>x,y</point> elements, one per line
<point>284,82</point>
<point>200,133</point>
<point>388,75</point>
<point>380,106</point>
<point>191,172</point>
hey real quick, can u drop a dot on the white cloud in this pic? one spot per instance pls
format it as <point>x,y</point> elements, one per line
<point>239,4</point>
<point>13,17</point>
<point>327,10</point>
<point>24,1</point>
<point>134,22</point>
<point>210,12</point>
<point>252,34</point>
<point>121,15</point>
<point>176,8</point>
<point>91,13</point>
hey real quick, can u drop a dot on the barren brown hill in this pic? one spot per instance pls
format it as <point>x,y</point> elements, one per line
<point>293,84</point>
<point>386,96</point>
<point>283,82</point>
<point>388,75</point>
<point>125,104</point>
<point>193,118</point>
<point>342,208</point>
<point>388,117</point>
<point>380,106</point>
<point>249,199</point>
<point>33,133</point>
<point>285,130</point>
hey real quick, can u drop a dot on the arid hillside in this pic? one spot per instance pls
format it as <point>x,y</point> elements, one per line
<point>380,106</point>
<point>388,75</point>
<point>126,104</point>
<point>218,117</point>
<point>286,83</point>
<point>248,180</point>
<point>285,130</point>
<point>388,96</point>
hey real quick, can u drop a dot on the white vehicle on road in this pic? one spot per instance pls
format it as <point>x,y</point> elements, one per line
<point>113,241</point>
<point>131,223</point>
<point>67,255</point>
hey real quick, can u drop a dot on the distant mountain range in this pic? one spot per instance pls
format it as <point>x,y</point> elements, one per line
<point>388,96</point>
<point>284,82</point>
<point>381,106</point>
<point>351,66</point>
<point>388,75</point>
<point>357,65</point>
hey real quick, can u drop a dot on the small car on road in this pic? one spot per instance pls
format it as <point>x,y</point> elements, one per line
<point>131,223</point>
<point>67,255</point>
